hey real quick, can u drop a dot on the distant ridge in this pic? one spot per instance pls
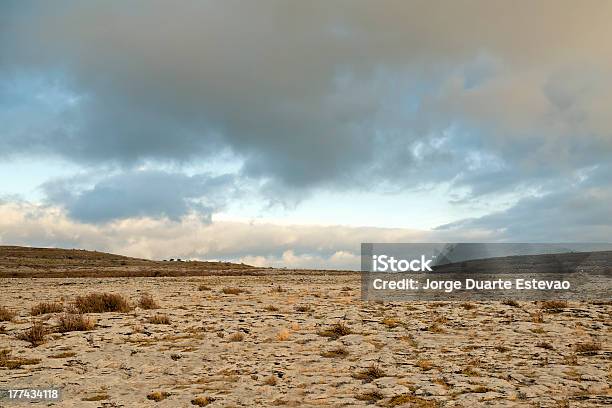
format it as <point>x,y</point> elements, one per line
<point>18,261</point>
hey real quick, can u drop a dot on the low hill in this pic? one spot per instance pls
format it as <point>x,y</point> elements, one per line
<point>26,262</point>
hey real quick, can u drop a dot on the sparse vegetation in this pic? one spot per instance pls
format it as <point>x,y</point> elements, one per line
<point>537,317</point>
<point>159,319</point>
<point>35,334</point>
<point>391,322</point>
<point>6,315</point>
<point>336,331</point>
<point>283,335</point>
<point>545,345</point>
<point>147,302</point>
<point>97,397</point>
<point>12,363</point>
<point>425,365</point>
<point>158,396</point>
<point>303,308</point>
<point>46,307</point>
<point>271,380</point>
<point>236,337</point>
<point>370,396</point>
<point>411,400</point>
<point>202,401</point>
<point>588,348</point>
<point>511,302</point>
<point>203,288</point>
<point>553,305</point>
<point>65,354</point>
<point>370,374</point>
<point>271,308</point>
<point>232,291</point>
<point>335,352</point>
<point>468,305</point>
<point>101,303</point>
<point>74,322</point>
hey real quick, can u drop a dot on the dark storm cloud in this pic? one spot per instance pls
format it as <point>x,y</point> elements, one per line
<point>137,194</point>
<point>486,96</point>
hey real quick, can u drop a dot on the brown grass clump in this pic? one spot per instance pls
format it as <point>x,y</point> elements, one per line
<point>147,302</point>
<point>537,317</point>
<point>202,288</point>
<point>370,374</point>
<point>588,348</point>
<point>336,331</point>
<point>425,365</point>
<point>303,308</point>
<point>236,337</point>
<point>435,328</point>
<point>12,363</point>
<point>283,335</point>
<point>553,305</point>
<point>337,352</point>
<point>370,397</point>
<point>65,354</point>
<point>35,334</point>
<point>468,306</point>
<point>97,397</point>
<point>159,319</point>
<point>158,396</point>
<point>271,380</point>
<point>545,345</point>
<point>202,401</point>
<point>69,322</point>
<point>101,303</point>
<point>511,302</point>
<point>391,322</point>
<point>271,308</point>
<point>232,291</point>
<point>46,307</point>
<point>413,400</point>
<point>6,315</point>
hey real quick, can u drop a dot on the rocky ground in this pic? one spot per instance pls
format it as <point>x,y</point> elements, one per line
<point>302,341</point>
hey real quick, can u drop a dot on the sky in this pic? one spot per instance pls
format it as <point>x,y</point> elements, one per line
<point>285,133</point>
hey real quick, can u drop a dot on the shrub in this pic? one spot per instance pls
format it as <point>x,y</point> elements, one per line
<point>303,308</point>
<point>147,302</point>
<point>11,363</point>
<point>553,305</point>
<point>335,353</point>
<point>271,380</point>
<point>370,396</point>
<point>158,395</point>
<point>159,319</point>
<point>6,315</point>
<point>102,302</point>
<point>271,308</point>
<point>336,331</point>
<point>588,348</point>
<point>74,322</point>
<point>35,334</point>
<point>370,374</point>
<point>232,291</point>
<point>202,401</point>
<point>283,335</point>
<point>236,337</point>
<point>46,307</point>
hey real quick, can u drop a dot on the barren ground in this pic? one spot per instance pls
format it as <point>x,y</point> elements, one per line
<point>424,354</point>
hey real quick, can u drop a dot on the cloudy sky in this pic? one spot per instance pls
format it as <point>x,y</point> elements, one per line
<point>287,132</point>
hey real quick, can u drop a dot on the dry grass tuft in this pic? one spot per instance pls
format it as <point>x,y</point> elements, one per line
<point>6,315</point>
<point>391,322</point>
<point>336,331</point>
<point>370,397</point>
<point>425,365</point>
<point>303,308</point>
<point>236,337</point>
<point>202,401</point>
<point>545,345</point>
<point>588,348</point>
<point>69,322</point>
<point>283,335</point>
<point>97,397</point>
<point>370,374</point>
<point>335,352</point>
<point>101,303</point>
<point>271,308</point>
<point>271,380</point>
<point>411,400</point>
<point>159,319</point>
<point>468,306</point>
<point>511,302</point>
<point>12,363</point>
<point>147,302</point>
<point>232,291</point>
<point>65,354</point>
<point>537,317</point>
<point>35,334</point>
<point>46,307</point>
<point>553,305</point>
<point>158,395</point>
